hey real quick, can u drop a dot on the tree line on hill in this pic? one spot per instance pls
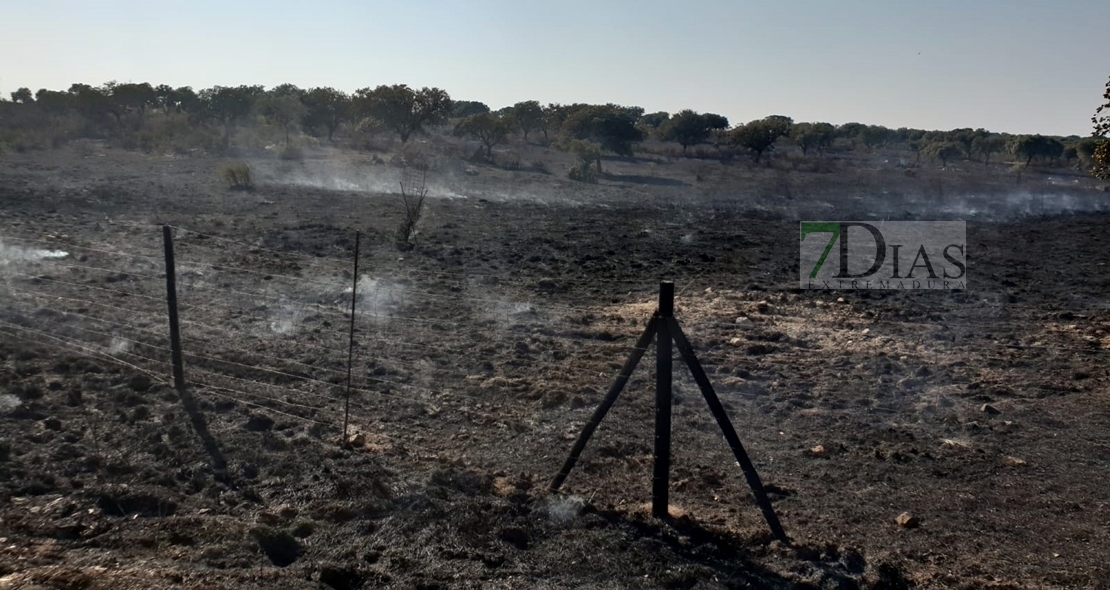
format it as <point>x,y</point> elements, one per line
<point>144,116</point>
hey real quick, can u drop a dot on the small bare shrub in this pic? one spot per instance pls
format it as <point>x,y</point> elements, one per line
<point>585,173</point>
<point>413,193</point>
<point>237,176</point>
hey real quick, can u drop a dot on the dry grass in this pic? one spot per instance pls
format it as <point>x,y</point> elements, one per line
<point>237,176</point>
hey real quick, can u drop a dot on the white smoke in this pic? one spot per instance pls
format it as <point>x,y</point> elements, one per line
<point>8,403</point>
<point>10,254</point>
<point>119,345</point>
<point>379,298</point>
<point>565,509</point>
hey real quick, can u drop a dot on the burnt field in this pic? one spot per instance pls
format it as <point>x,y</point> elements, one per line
<point>480,354</point>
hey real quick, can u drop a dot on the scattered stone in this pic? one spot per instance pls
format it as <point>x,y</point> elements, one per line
<point>357,441</point>
<point>1015,461</point>
<point>52,424</point>
<point>259,423</point>
<point>908,521</point>
<point>762,307</point>
<point>989,410</point>
<point>818,450</point>
<point>840,300</point>
<point>744,322</point>
<point>736,341</point>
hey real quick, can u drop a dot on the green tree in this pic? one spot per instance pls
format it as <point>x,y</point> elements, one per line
<point>851,132</point>
<point>176,100</point>
<point>283,109</point>
<point>526,116</point>
<point>228,106</point>
<point>1085,150</point>
<point>326,107</point>
<point>131,98</point>
<point>1028,147</point>
<point>94,103</point>
<point>554,115</point>
<point>874,136</point>
<point>134,97</point>
<point>944,151</point>
<point>1101,120</point>
<point>652,123</point>
<point>464,108</point>
<point>286,90</point>
<point>23,96</point>
<point>688,128</point>
<point>760,135</point>
<point>487,128</point>
<point>611,127</point>
<point>586,152</point>
<point>403,110</point>
<point>54,102</point>
<point>987,145</point>
<point>966,137</point>
<point>813,135</point>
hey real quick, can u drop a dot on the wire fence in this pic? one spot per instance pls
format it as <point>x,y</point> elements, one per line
<point>269,329</point>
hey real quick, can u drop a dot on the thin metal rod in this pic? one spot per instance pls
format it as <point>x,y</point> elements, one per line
<point>610,399</point>
<point>719,413</point>
<point>661,471</point>
<point>351,346</point>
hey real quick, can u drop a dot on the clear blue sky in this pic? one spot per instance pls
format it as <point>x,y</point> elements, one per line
<point>1020,66</point>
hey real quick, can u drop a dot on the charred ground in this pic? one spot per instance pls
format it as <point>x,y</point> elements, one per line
<point>483,351</point>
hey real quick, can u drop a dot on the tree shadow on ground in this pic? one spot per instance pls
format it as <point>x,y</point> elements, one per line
<point>639,179</point>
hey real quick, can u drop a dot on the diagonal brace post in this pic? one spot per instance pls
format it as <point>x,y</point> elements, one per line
<point>687,352</point>
<point>610,399</point>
